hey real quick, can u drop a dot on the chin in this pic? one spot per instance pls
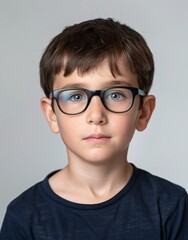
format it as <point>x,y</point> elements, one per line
<point>99,159</point>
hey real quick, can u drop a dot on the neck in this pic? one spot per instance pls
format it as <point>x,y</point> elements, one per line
<point>89,183</point>
<point>99,179</point>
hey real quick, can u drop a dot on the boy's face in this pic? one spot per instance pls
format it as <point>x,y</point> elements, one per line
<point>96,135</point>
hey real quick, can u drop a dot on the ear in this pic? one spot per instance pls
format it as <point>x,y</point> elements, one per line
<point>145,112</point>
<point>49,114</point>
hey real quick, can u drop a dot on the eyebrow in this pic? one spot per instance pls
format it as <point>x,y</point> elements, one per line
<point>108,84</point>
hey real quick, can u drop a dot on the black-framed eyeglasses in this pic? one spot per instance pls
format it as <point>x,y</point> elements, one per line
<point>117,99</point>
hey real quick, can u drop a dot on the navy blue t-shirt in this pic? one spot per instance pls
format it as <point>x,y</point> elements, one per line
<point>147,208</point>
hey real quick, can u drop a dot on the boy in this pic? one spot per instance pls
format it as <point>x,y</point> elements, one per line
<point>96,76</point>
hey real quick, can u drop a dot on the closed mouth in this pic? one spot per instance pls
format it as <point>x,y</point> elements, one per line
<point>97,138</point>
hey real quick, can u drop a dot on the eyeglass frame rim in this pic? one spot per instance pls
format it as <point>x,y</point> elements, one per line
<point>91,93</point>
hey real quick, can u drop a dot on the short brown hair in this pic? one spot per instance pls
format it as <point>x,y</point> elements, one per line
<point>87,44</point>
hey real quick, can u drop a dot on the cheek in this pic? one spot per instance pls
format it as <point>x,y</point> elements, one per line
<point>68,129</point>
<point>127,122</point>
<point>125,125</point>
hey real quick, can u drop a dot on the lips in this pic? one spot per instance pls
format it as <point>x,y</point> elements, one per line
<point>97,138</point>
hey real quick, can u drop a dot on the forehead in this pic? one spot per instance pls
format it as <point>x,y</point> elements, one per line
<point>97,78</point>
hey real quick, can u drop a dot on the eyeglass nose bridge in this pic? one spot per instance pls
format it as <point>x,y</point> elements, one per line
<point>91,94</point>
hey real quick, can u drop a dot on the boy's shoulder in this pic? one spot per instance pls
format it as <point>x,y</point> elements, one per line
<point>164,195</point>
<point>27,200</point>
<point>34,195</point>
<point>32,199</point>
<point>159,185</point>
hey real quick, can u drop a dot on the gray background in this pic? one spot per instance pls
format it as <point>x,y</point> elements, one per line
<point>28,149</point>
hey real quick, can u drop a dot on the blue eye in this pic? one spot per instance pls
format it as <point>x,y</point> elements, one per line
<point>115,96</point>
<point>73,96</point>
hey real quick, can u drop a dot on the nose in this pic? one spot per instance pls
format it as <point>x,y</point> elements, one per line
<point>96,112</point>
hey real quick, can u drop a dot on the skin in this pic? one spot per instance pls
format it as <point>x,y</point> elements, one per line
<point>96,140</point>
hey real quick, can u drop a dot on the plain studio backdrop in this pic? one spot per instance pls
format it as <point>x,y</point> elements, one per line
<point>28,148</point>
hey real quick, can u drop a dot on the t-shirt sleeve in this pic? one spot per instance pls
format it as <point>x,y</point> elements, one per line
<point>11,230</point>
<point>177,222</point>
